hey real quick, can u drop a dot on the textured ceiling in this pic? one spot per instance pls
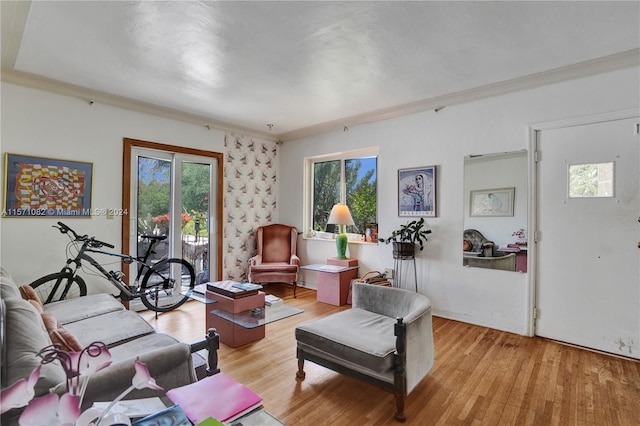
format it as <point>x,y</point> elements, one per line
<point>299,65</point>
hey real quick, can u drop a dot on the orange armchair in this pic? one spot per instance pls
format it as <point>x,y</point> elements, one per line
<point>276,261</point>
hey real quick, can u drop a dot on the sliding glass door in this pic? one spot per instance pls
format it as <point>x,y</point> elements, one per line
<point>172,203</point>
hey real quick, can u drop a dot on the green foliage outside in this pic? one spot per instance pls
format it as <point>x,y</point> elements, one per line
<point>326,191</point>
<point>154,195</point>
<point>361,194</point>
<point>361,188</point>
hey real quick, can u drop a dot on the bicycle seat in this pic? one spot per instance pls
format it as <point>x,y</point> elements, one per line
<point>155,237</point>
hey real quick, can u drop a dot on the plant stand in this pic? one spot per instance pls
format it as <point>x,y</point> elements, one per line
<point>403,252</point>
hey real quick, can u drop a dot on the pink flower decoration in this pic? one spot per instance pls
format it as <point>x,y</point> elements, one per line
<point>50,410</point>
<point>40,411</point>
<point>69,408</point>
<point>20,393</point>
<point>143,379</point>
<point>89,361</point>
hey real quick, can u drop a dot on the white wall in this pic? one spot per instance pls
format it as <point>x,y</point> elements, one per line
<point>44,124</point>
<point>480,296</point>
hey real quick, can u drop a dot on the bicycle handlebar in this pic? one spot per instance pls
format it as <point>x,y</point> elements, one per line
<point>90,241</point>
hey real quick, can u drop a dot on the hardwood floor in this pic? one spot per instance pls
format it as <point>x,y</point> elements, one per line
<point>481,376</point>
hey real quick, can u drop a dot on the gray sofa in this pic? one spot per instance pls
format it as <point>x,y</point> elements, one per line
<point>98,317</point>
<point>386,338</point>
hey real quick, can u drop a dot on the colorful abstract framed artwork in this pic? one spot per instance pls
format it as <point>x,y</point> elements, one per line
<point>417,192</point>
<point>44,187</point>
<point>492,202</point>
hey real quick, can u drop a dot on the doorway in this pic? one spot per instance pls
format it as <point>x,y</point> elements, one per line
<point>174,193</point>
<point>587,280</point>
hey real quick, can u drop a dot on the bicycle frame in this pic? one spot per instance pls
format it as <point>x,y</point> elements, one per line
<point>113,279</point>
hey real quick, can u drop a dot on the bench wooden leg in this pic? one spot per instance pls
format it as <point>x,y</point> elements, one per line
<point>300,374</point>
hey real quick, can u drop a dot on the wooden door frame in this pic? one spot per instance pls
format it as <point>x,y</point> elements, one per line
<point>128,146</point>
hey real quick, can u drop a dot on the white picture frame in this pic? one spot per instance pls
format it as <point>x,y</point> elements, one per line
<point>496,202</point>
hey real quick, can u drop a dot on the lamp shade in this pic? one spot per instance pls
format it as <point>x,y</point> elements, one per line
<point>340,215</point>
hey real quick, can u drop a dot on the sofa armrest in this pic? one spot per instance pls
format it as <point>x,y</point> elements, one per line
<point>211,343</point>
<point>294,260</point>
<point>170,366</point>
<point>419,349</point>
<point>255,260</point>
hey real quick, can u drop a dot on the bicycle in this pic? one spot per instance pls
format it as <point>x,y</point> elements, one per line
<point>160,279</point>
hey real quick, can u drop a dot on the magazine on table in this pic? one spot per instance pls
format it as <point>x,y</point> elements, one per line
<point>227,399</point>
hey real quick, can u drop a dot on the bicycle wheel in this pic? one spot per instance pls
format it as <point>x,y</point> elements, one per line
<point>59,286</point>
<point>167,285</point>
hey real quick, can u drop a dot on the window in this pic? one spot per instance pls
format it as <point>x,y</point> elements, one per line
<point>349,178</point>
<point>591,180</point>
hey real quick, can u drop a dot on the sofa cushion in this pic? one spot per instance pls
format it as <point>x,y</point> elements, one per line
<point>112,328</point>
<point>58,334</point>
<point>7,287</point>
<point>26,336</point>
<point>133,348</point>
<point>360,337</point>
<point>275,267</point>
<point>72,310</point>
<point>30,295</point>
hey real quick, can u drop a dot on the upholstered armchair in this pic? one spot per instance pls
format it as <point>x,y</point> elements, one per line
<point>482,253</point>
<point>276,260</point>
<point>479,243</point>
<point>386,338</point>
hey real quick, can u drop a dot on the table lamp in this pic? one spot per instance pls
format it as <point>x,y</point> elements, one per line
<point>341,216</point>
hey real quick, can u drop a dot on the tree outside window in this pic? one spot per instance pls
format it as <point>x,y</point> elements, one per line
<point>358,176</point>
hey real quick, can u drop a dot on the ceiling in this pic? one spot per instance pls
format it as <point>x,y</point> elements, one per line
<point>306,67</point>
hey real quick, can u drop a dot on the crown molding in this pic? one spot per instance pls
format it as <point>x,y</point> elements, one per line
<point>626,59</point>
<point>88,95</point>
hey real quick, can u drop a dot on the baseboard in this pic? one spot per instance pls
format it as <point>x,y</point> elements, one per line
<point>481,321</point>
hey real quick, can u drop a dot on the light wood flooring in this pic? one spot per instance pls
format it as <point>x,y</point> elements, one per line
<point>481,376</point>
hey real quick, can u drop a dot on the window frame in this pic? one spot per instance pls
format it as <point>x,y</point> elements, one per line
<point>343,156</point>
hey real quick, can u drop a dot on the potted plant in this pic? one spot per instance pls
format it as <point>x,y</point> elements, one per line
<point>406,238</point>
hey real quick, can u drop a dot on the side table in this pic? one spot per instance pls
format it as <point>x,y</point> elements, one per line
<point>334,279</point>
<point>238,321</point>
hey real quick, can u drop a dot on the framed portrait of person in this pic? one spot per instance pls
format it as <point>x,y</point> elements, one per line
<point>417,192</point>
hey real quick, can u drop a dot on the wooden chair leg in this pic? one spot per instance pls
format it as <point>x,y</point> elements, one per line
<point>295,286</point>
<point>300,374</point>
<point>400,397</point>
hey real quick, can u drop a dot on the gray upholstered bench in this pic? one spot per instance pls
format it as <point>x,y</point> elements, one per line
<point>385,338</point>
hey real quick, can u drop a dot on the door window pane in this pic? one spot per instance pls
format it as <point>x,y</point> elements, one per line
<point>154,203</point>
<point>196,178</point>
<point>591,180</point>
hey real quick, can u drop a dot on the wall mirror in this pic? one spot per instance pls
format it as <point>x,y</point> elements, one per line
<point>495,211</point>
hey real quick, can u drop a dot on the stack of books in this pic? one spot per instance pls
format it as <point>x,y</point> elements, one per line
<point>271,300</point>
<point>233,289</point>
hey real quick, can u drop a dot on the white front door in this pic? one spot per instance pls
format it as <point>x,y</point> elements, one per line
<point>588,269</point>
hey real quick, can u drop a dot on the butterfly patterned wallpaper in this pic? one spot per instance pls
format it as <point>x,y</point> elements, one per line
<point>249,199</point>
